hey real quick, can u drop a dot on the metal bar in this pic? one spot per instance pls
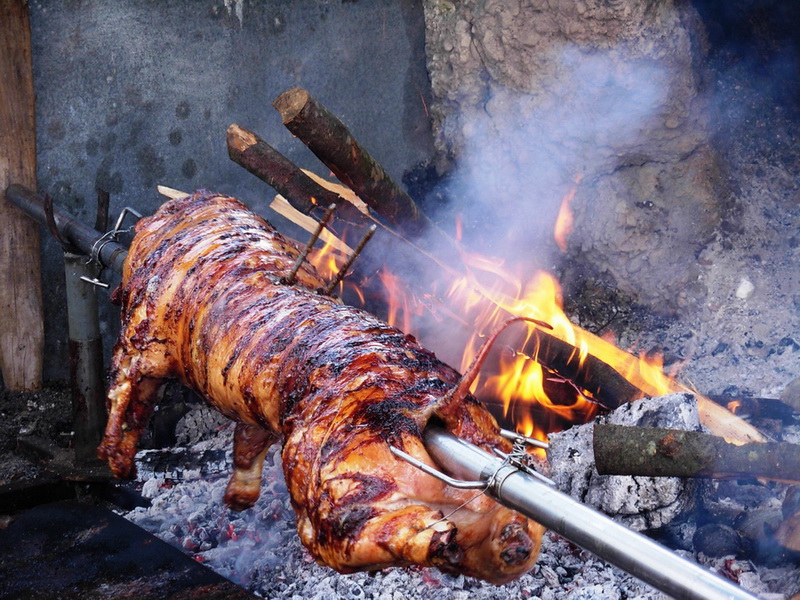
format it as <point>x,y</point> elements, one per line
<point>85,357</point>
<point>312,240</point>
<point>349,262</point>
<point>456,483</point>
<point>631,551</point>
<point>110,254</point>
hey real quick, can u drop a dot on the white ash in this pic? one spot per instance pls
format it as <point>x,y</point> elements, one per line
<point>640,503</point>
<point>260,550</point>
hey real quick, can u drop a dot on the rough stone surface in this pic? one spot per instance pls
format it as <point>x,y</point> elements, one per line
<point>641,503</point>
<point>531,96</point>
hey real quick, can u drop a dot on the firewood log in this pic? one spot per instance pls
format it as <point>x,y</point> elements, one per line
<point>301,190</point>
<point>662,452</point>
<point>328,138</point>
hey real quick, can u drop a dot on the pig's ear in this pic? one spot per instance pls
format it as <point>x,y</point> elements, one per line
<point>460,391</point>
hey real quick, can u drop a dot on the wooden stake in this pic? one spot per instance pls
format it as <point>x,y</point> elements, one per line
<point>21,315</point>
<point>661,452</point>
<point>328,138</point>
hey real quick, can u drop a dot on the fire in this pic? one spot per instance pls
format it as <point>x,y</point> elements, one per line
<point>327,260</point>
<point>517,380</point>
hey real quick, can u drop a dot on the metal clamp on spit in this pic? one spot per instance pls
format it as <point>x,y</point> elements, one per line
<point>516,460</point>
<point>111,236</point>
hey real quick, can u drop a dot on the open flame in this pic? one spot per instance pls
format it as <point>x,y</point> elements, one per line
<point>564,220</point>
<point>533,398</point>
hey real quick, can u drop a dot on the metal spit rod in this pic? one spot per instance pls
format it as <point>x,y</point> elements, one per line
<point>87,239</point>
<point>586,527</point>
<point>631,551</point>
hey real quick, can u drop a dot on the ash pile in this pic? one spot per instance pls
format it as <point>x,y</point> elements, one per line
<point>735,527</point>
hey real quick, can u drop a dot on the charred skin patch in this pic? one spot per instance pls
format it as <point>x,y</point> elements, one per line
<point>349,514</point>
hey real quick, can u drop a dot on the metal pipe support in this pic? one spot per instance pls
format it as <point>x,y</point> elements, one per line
<point>85,357</point>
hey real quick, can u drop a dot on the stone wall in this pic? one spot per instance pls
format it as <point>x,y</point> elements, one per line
<point>532,95</point>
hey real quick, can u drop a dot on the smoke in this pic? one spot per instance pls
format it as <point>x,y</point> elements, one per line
<point>521,153</point>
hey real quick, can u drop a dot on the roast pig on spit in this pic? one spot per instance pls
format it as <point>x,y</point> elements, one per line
<point>204,301</point>
<point>358,501</point>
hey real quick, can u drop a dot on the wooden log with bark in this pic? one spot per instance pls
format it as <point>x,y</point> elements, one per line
<point>330,140</point>
<point>662,452</point>
<point>21,320</point>
<point>607,386</point>
<point>305,194</point>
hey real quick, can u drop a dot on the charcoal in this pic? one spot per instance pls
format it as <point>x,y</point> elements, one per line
<point>716,540</point>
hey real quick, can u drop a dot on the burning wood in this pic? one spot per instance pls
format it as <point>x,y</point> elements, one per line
<point>665,452</point>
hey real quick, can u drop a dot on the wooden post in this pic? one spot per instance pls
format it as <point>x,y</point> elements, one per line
<point>21,320</point>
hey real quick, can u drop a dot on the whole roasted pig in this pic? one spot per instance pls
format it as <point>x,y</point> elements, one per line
<point>203,302</point>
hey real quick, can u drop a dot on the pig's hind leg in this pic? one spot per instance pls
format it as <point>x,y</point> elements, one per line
<point>250,445</point>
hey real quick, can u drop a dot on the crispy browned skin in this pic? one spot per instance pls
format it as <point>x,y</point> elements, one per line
<point>202,302</point>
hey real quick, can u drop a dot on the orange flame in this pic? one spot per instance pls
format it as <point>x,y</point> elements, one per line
<point>535,399</point>
<point>565,220</point>
<point>326,260</point>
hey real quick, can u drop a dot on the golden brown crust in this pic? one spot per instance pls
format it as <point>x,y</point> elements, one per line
<point>202,302</point>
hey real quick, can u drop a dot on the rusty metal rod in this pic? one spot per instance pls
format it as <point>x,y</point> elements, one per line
<point>289,280</point>
<point>349,262</point>
<point>86,239</point>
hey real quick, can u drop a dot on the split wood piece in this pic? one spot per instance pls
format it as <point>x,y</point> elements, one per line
<point>281,206</point>
<point>762,408</point>
<point>662,452</point>
<point>305,194</point>
<point>171,193</point>
<point>21,314</point>
<point>328,138</point>
<point>606,385</point>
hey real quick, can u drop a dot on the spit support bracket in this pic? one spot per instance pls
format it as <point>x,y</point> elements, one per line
<point>516,460</point>
<point>111,236</point>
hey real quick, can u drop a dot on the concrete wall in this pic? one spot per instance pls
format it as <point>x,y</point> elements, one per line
<point>134,94</point>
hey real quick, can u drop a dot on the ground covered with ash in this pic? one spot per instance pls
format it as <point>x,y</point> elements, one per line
<point>45,415</point>
<point>259,548</point>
